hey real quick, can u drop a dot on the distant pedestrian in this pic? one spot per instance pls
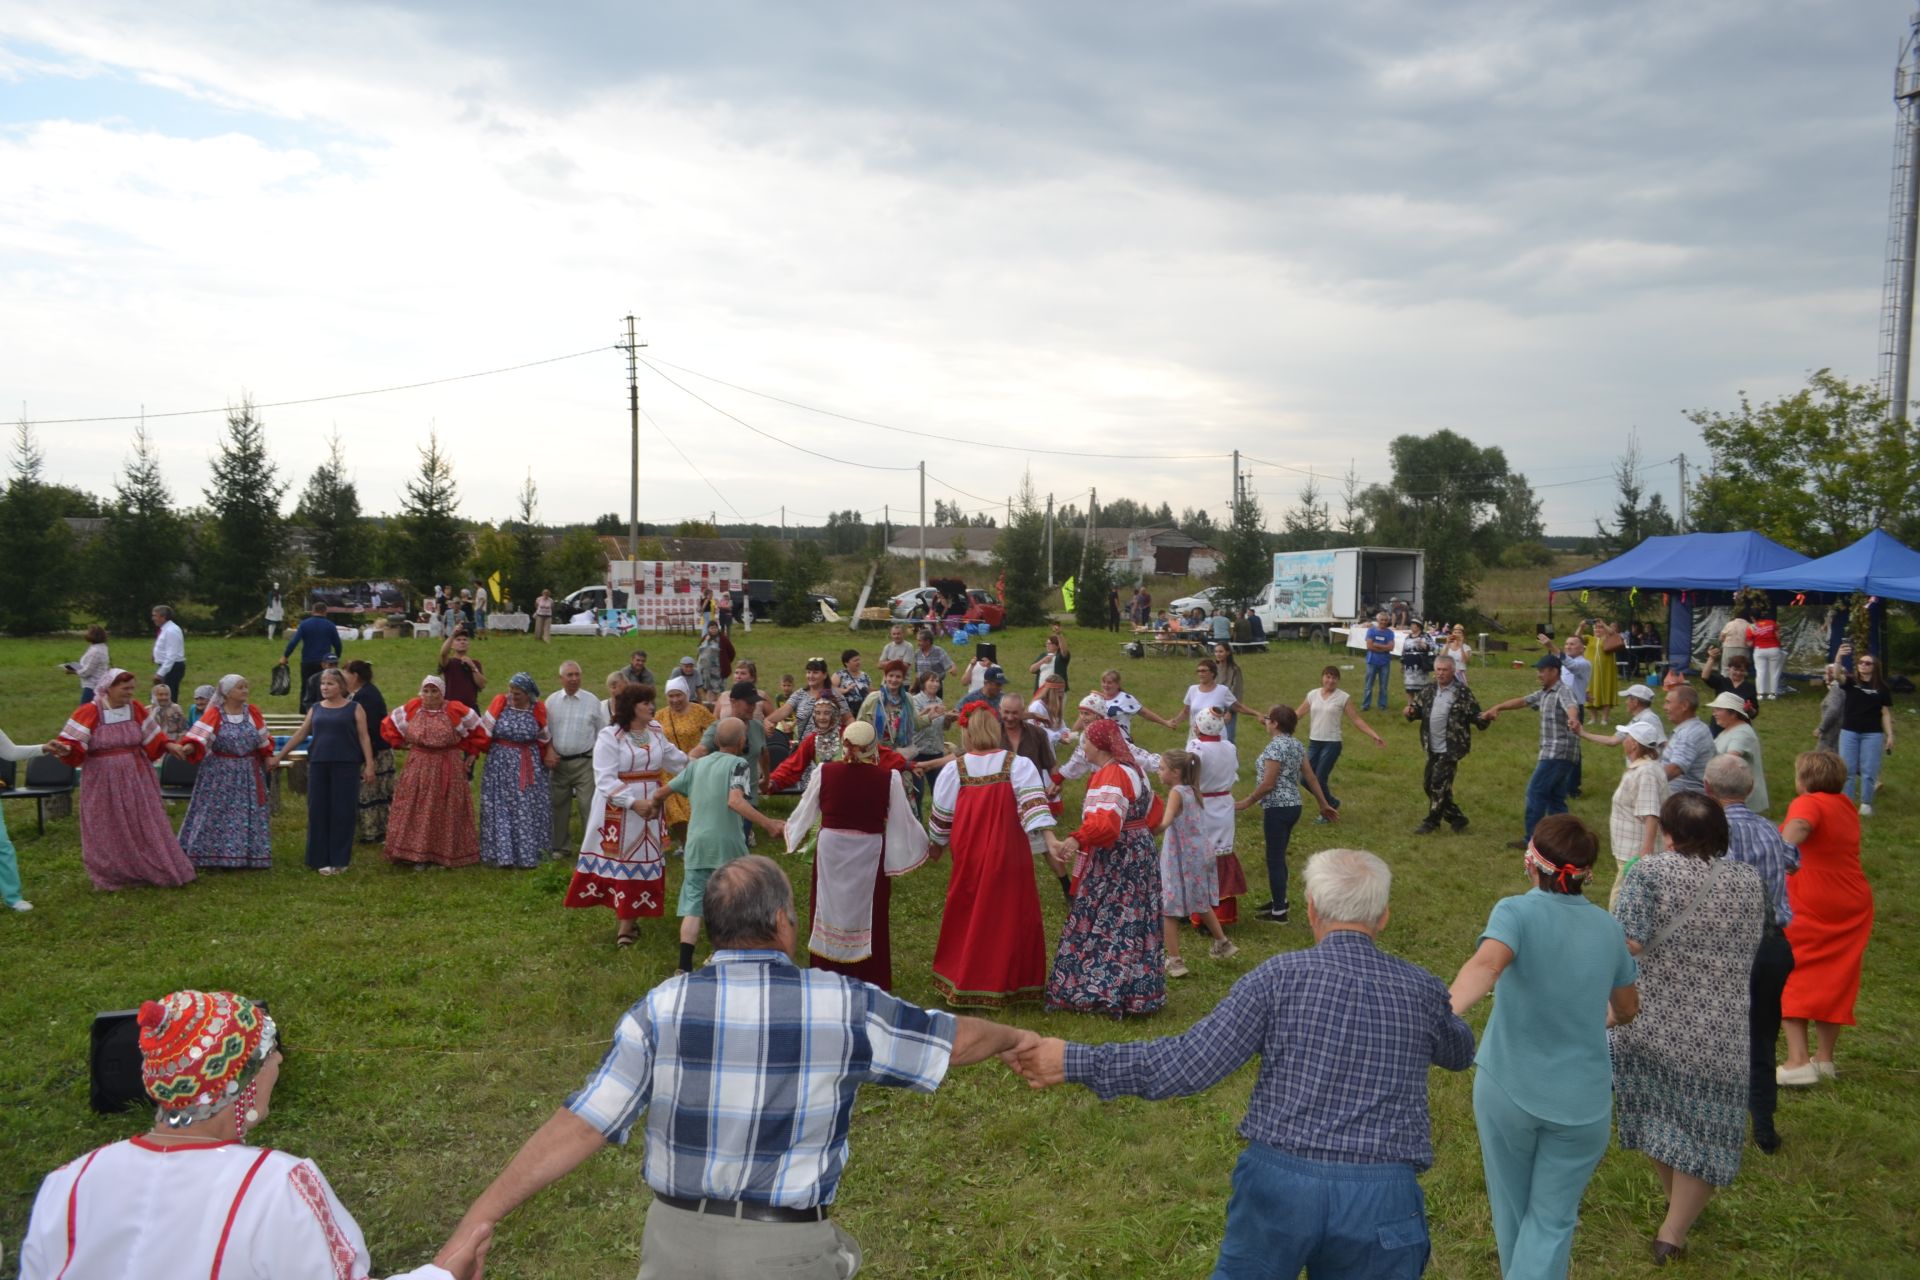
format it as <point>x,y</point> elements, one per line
<point>1380,641</point>
<point>543,616</point>
<point>91,666</point>
<point>317,639</point>
<point>169,650</point>
<point>276,611</point>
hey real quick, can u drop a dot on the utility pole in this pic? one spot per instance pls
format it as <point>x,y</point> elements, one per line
<point>1903,230</point>
<point>632,349</point>
<point>923,522</point>
<point>1049,539</point>
<point>1093,502</point>
<point>1683,493</point>
<point>783,522</point>
<point>1236,487</point>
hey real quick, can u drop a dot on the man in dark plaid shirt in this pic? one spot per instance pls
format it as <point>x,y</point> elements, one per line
<point>1337,1126</point>
<point>1559,764</point>
<point>746,1072</point>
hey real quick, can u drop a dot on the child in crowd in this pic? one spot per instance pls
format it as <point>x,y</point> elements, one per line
<point>1189,878</point>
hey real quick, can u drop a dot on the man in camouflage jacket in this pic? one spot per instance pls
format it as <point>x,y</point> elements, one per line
<point>1447,735</point>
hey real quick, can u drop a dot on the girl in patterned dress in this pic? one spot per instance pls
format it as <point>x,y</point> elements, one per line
<point>1189,879</point>
<point>125,838</point>
<point>227,818</point>
<point>623,855</point>
<point>1111,957</point>
<point>515,815</point>
<point>432,819</point>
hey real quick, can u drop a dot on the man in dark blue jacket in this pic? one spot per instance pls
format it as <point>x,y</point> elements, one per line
<point>318,639</point>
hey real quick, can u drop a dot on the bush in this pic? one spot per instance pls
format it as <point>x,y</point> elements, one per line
<point>1526,555</point>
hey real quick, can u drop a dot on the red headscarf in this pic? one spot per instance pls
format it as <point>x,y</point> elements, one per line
<point>1105,735</point>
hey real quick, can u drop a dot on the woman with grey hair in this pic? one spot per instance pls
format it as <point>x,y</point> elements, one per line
<point>228,816</point>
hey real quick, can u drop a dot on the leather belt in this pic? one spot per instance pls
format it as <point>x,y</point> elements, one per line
<point>745,1209</point>
<point>578,755</point>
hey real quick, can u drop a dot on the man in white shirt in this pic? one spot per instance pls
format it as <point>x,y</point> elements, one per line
<point>574,720</point>
<point>896,649</point>
<point>169,650</point>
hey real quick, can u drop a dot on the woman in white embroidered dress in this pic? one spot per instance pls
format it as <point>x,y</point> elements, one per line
<point>623,855</point>
<point>191,1201</point>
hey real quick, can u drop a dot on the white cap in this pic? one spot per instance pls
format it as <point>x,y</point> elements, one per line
<point>1643,733</point>
<point>1094,702</point>
<point>1641,692</point>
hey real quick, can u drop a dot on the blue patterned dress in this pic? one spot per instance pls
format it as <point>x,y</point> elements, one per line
<point>1112,958</point>
<point>227,817</point>
<point>515,817</point>
<point>1189,874</point>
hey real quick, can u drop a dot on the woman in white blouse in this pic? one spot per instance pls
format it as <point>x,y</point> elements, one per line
<point>91,667</point>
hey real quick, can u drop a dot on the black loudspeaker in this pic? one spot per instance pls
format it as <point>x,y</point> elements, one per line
<point>113,1060</point>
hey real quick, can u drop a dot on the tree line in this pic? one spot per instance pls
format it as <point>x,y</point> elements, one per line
<point>216,561</point>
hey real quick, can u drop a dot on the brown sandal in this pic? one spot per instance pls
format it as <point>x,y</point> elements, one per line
<point>625,939</point>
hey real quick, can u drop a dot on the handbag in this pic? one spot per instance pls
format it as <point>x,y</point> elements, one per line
<point>282,683</point>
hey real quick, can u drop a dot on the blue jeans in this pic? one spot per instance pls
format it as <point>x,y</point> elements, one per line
<point>1339,1221</point>
<point>1536,1173</point>
<point>1547,790</point>
<point>1862,752</point>
<point>1321,757</point>
<point>1276,824</point>
<point>1380,674</point>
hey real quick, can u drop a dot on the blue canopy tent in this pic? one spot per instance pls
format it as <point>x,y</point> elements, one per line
<point>1683,563</point>
<point>1877,565</point>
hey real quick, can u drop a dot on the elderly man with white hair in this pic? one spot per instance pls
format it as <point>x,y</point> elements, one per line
<point>1337,1126</point>
<point>574,719</point>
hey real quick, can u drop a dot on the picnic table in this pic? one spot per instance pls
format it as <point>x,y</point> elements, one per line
<point>1164,643</point>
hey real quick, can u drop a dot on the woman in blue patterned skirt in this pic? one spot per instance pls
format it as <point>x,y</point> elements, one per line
<point>514,813</point>
<point>1111,957</point>
<point>227,818</point>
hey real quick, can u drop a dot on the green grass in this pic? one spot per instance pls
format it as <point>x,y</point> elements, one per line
<point>436,1019</point>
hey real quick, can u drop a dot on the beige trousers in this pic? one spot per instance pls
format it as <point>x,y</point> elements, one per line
<point>679,1244</point>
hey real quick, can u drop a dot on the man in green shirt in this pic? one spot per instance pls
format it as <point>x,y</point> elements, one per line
<point>717,786</point>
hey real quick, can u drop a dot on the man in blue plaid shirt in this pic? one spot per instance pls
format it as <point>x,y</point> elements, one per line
<point>1337,1126</point>
<point>746,1071</point>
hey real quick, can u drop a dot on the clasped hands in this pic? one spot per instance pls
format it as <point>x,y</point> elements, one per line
<point>1039,1060</point>
<point>1061,853</point>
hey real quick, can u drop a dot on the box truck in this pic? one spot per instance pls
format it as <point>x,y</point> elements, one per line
<point>1313,592</point>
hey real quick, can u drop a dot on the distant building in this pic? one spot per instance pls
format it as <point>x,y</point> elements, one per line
<point>1134,554</point>
<point>941,544</point>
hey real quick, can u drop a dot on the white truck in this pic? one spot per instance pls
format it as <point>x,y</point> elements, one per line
<point>1317,592</point>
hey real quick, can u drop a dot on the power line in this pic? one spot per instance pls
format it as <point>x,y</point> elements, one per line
<point>845,462</point>
<point>339,395</point>
<point>691,463</point>
<point>928,435</point>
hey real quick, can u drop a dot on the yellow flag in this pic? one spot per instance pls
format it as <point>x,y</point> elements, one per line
<point>493,586</point>
<point>1066,595</point>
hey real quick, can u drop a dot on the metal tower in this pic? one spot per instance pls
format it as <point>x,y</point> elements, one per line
<point>1903,229</point>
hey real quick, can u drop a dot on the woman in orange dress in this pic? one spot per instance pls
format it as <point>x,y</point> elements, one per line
<point>683,721</point>
<point>432,819</point>
<point>1832,917</point>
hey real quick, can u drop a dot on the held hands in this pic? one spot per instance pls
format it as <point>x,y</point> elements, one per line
<point>1024,1042</point>
<point>466,1257</point>
<point>778,829</point>
<point>1042,1062</point>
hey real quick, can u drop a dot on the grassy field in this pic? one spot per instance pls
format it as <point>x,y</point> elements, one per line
<point>434,1020</point>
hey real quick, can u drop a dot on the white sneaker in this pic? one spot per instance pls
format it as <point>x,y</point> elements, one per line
<point>1223,949</point>
<point>1866,811</point>
<point>1827,1070</point>
<point>22,905</point>
<point>1801,1077</point>
<point>1176,968</point>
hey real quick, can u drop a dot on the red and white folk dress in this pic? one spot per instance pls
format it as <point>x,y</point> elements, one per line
<point>432,817</point>
<point>623,856</point>
<point>992,948</point>
<point>125,838</point>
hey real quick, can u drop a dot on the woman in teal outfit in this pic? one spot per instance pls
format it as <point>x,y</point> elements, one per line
<point>1543,1094</point>
<point>9,864</point>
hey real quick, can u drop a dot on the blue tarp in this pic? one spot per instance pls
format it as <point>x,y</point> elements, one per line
<point>1685,562</point>
<point>1879,564</point>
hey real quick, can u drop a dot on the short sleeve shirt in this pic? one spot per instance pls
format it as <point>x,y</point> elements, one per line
<point>1285,751</point>
<point>1220,698</point>
<point>714,834</point>
<point>1546,1040</point>
<point>1690,747</point>
<point>1376,635</point>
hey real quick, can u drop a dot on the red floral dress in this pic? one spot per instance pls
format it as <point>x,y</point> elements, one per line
<point>1111,957</point>
<point>432,818</point>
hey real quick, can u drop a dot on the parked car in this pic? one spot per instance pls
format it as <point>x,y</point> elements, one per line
<point>764,594</point>
<point>969,604</point>
<point>1203,601</point>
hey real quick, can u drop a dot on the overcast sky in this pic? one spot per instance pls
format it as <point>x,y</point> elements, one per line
<point>1118,228</point>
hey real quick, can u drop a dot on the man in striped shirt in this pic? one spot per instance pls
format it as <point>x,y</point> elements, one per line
<point>746,1072</point>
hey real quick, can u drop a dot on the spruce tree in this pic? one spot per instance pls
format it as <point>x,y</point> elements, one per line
<point>1020,554</point>
<point>329,508</point>
<point>528,566</point>
<point>436,544</point>
<point>142,528</point>
<point>244,538</point>
<point>35,545</point>
<point>1247,567</point>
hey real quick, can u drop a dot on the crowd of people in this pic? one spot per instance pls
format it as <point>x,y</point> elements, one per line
<point>1658,1013</point>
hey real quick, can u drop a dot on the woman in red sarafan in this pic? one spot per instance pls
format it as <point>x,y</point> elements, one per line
<point>432,818</point>
<point>125,838</point>
<point>992,947</point>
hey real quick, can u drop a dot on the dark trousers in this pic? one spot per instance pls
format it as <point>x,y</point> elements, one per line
<point>1321,757</point>
<point>1277,824</point>
<point>308,670</point>
<point>172,677</point>
<point>1771,965</point>
<point>1439,785</point>
<point>333,812</point>
<point>1547,790</point>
